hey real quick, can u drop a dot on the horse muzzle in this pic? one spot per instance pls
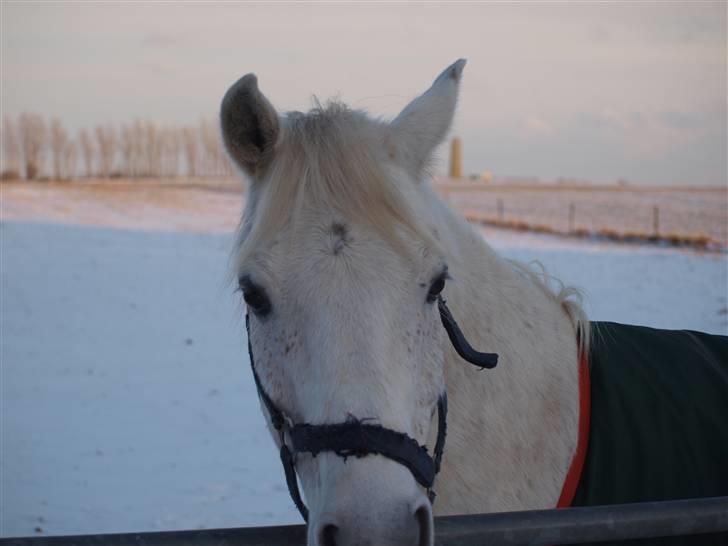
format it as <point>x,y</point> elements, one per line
<point>370,502</point>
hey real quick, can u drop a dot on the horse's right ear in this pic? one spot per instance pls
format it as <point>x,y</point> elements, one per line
<point>423,124</point>
<point>249,126</point>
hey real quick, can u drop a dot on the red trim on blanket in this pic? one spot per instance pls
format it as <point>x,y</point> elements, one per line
<point>577,463</point>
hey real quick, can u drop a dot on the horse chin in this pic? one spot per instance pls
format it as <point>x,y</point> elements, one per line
<point>373,502</point>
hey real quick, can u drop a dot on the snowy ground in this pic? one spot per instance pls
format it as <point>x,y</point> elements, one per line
<point>126,399</point>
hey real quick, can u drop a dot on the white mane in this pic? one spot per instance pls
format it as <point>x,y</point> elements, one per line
<point>569,298</point>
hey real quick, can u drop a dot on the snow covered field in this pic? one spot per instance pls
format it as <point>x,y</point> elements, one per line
<point>126,398</point>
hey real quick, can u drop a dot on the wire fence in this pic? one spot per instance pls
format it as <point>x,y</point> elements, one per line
<point>674,216</point>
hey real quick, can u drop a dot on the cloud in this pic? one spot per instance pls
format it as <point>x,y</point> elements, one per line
<point>601,35</point>
<point>537,126</point>
<point>158,68</point>
<point>683,120</point>
<point>164,39</point>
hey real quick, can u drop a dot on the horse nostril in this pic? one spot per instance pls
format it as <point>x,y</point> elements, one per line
<point>423,515</point>
<point>327,535</point>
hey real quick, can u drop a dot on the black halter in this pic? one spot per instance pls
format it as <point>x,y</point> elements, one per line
<point>356,438</point>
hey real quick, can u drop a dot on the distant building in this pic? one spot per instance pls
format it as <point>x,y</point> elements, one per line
<point>456,159</point>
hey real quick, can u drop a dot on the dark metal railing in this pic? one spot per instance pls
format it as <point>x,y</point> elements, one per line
<point>561,526</point>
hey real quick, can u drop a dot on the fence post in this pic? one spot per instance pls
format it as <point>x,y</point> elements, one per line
<point>656,220</point>
<point>499,204</point>
<point>572,217</point>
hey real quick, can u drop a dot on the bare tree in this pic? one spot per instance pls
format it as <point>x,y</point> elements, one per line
<point>215,159</point>
<point>59,142</point>
<point>191,148</point>
<point>140,136</point>
<point>137,149</point>
<point>227,167</point>
<point>153,149</point>
<point>170,150</point>
<point>33,136</point>
<point>87,151</point>
<point>11,150</point>
<point>207,136</point>
<point>70,159</point>
<point>132,146</point>
<point>126,146</point>
<point>106,147</point>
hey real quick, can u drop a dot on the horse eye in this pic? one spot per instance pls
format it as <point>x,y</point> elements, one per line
<point>255,297</point>
<point>436,287</point>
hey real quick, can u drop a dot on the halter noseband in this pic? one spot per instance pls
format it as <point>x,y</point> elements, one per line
<point>358,439</point>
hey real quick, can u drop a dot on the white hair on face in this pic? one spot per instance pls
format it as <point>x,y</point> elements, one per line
<point>330,158</point>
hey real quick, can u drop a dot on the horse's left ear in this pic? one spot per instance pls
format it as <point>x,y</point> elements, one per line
<point>422,125</point>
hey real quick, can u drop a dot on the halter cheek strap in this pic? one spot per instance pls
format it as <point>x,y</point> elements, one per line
<point>463,348</point>
<point>358,439</point>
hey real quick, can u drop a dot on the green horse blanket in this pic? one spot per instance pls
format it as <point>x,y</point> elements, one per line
<point>657,419</point>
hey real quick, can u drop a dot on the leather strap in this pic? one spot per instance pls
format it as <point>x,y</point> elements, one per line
<point>357,439</point>
<point>289,468</point>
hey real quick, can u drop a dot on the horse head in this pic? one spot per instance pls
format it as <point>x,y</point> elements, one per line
<point>343,275</point>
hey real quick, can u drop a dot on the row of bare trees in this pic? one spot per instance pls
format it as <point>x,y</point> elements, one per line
<point>33,148</point>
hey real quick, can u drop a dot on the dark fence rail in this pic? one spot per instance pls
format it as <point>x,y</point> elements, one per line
<point>534,527</point>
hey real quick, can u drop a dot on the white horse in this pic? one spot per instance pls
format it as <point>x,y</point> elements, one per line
<point>343,250</point>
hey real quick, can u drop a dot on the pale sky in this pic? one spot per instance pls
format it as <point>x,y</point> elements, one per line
<point>596,91</point>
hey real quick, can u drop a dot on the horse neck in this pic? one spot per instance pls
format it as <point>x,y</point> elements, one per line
<point>512,430</point>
